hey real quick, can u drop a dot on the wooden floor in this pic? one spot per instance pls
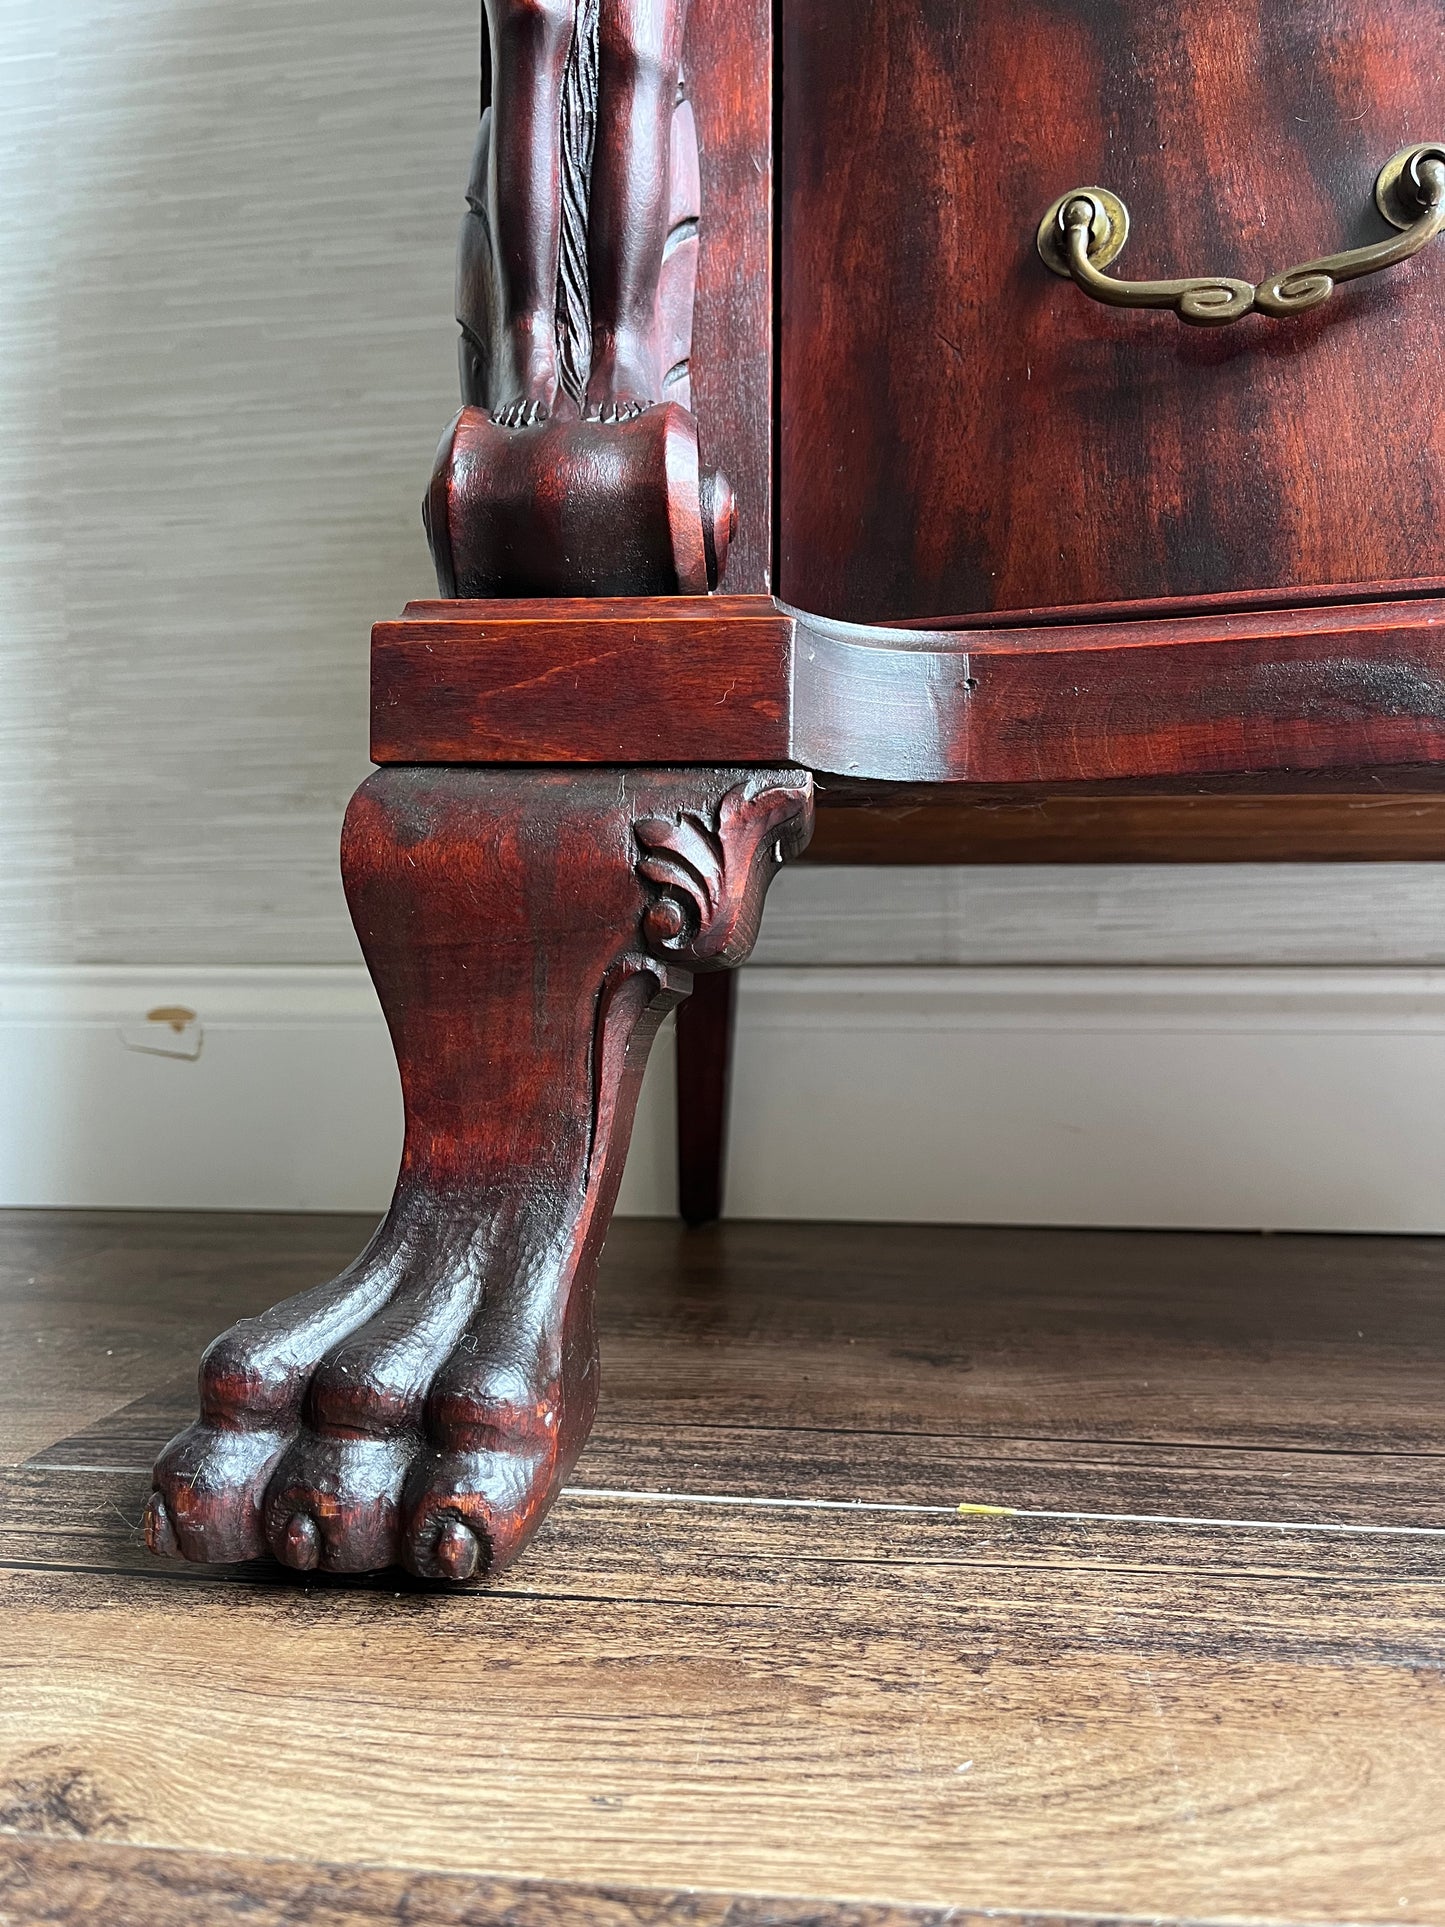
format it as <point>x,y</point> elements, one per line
<point>764,1649</point>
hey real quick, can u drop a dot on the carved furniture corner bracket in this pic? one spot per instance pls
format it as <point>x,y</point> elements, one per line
<point>1085,230</point>
<point>708,880</point>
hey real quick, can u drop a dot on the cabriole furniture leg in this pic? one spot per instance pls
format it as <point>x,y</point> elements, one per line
<point>526,930</point>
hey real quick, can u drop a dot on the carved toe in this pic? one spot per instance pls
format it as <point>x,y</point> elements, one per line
<point>300,1545</point>
<point>210,1481</point>
<point>160,1533</point>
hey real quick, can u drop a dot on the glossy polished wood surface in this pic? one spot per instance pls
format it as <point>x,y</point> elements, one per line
<point>961,430</point>
<point>1354,816</point>
<point>729,65</point>
<point>606,681</point>
<point>682,679</point>
<point>1283,689</point>
<point>526,931</point>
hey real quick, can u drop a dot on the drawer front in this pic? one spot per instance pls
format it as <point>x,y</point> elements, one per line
<point>961,430</point>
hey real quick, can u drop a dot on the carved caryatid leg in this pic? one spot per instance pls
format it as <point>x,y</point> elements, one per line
<point>526,931</point>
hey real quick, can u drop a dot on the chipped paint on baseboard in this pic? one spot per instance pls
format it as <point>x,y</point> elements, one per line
<point>169,1030</point>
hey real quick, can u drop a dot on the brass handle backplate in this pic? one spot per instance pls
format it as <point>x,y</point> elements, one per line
<point>1086,229</point>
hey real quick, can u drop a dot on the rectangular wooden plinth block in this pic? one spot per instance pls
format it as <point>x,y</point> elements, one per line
<point>686,679</point>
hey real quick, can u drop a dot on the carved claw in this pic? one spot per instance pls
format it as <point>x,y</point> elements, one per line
<point>425,1407</point>
<point>300,1545</point>
<point>523,412</point>
<point>160,1533</point>
<point>457,1553</point>
<point>616,411</point>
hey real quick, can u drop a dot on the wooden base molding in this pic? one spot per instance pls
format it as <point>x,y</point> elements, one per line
<point>526,932</point>
<point>1352,685</point>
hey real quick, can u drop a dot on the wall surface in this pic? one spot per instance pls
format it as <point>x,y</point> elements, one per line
<point>226,355</point>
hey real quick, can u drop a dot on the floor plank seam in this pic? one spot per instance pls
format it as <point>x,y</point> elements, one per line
<point>962,1512</point>
<point>402,1585</point>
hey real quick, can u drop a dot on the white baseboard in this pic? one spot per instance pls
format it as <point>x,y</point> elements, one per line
<point>1287,1099</point>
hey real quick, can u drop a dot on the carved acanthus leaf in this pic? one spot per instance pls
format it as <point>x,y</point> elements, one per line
<point>709,880</point>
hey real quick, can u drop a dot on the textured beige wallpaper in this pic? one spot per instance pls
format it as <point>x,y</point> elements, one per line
<point>226,356</point>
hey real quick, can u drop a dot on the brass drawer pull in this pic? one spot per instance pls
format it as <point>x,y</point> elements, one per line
<point>1086,229</point>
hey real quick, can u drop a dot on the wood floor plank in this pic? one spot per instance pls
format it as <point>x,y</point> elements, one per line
<point>902,1467</point>
<point>1016,1756</point>
<point>677,1551</point>
<point>1213,1338</point>
<point>679,1548</point>
<point>47,1881</point>
<point>97,1306</point>
<point>686,1696</point>
<point>1290,1342</point>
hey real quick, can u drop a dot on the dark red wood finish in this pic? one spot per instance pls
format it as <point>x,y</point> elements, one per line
<point>569,297</point>
<point>1379,815</point>
<point>729,63</point>
<point>1228,602</point>
<point>1286,689</point>
<point>962,430</point>
<point>577,508</point>
<point>957,429</point>
<point>1305,689</point>
<point>703,1074</point>
<point>574,467</point>
<point>682,679</point>
<point>526,932</point>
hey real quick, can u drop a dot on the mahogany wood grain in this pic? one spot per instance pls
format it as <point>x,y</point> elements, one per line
<point>962,430</point>
<point>578,251</point>
<point>730,79</point>
<point>526,932</point>
<point>1285,689</point>
<point>1336,686</point>
<point>1375,816</point>
<point>576,282</point>
<point>1224,603</point>
<point>576,508</point>
<point>680,679</point>
<point>703,1059</point>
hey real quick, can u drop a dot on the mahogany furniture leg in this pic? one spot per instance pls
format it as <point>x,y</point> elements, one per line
<point>704,1066</point>
<point>526,931</point>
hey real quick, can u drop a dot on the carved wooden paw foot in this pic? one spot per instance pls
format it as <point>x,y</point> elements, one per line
<point>527,931</point>
<point>420,1412</point>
